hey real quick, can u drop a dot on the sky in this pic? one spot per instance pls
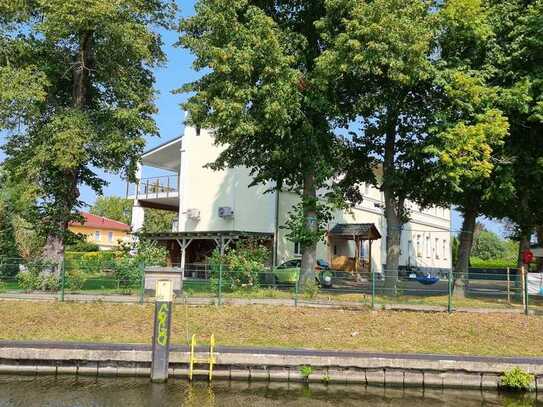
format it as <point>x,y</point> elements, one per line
<point>177,71</point>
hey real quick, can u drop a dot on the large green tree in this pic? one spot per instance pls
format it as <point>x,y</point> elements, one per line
<point>120,209</point>
<point>263,98</point>
<point>83,97</point>
<point>519,56</point>
<point>423,107</point>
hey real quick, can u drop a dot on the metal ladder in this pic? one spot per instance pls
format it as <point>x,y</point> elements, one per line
<point>210,360</point>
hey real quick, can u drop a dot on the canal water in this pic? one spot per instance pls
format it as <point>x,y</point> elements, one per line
<point>45,391</point>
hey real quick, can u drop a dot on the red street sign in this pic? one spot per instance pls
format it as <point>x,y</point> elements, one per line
<point>527,256</point>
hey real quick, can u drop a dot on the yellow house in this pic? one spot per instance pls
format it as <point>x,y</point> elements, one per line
<point>104,232</point>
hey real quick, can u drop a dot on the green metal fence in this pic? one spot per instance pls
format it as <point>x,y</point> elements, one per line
<point>119,279</point>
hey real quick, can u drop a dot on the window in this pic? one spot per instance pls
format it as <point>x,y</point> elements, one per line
<point>419,249</point>
<point>110,237</point>
<point>97,235</point>
<point>297,249</point>
<point>436,248</point>
<point>445,249</point>
<point>428,247</point>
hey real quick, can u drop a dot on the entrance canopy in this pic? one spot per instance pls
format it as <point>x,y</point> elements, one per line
<point>355,231</point>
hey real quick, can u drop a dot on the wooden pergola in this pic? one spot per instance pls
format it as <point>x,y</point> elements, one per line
<point>358,232</point>
<point>222,239</point>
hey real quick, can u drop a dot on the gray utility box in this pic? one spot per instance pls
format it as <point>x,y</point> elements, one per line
<point>153,274</point>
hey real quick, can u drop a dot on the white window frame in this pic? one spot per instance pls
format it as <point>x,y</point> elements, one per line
<point>445,249</point>
<point>297,249</point>
<point>97,236</point>
<point>436,248</point>
<point>418,248</point>
<point>428,247</point>
<point>110,237</point>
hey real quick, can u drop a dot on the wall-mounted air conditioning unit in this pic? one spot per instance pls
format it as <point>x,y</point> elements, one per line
<point>193,214</point>
<point>226,212</point>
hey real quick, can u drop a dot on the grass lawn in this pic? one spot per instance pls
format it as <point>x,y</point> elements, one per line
<point>461,333</point>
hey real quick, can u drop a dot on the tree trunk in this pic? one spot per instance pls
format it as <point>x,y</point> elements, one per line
<point>54,246</point>
<point>393,241</point>
<point>309,251</point>
<point>464,251</point>
<point>393,207</point>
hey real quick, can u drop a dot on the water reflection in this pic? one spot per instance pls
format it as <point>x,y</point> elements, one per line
<point>85,392</point>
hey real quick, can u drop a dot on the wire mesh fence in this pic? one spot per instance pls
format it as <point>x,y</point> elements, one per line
<point>122,278</point>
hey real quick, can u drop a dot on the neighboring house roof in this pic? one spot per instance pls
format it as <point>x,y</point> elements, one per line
<point>99,222</point>
<point>366,231</point>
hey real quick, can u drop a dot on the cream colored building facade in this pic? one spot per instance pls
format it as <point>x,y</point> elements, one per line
<point>219,204</point>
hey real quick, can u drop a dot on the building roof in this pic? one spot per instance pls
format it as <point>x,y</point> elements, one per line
<point>365,231</point>
<point>100,222</point>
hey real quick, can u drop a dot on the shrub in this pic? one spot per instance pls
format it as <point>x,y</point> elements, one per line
<point>39,275</point>
<point>75,279</point>
<point>517,379</point>
<point>129,268</point>
<point>311,290</point>
<point>83,246</point>
<point>241,265</point>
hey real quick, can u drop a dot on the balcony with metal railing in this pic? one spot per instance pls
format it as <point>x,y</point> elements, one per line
<point>160,191</point>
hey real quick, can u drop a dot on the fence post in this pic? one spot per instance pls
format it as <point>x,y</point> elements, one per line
<point>220,283</point>
<point>296,290</point>
<point>372,289</point>
<point>526,291</point>
<point>449,290</point>
<point>62,279</point>
<point>142,283</point>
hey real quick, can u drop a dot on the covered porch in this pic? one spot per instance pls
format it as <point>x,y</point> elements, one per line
<point>359,233</point>
<point>190,250</point>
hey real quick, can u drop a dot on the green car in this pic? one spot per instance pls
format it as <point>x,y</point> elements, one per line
<point>287,272</point>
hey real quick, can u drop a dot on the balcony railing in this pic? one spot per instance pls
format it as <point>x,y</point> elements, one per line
<point>157,187</point>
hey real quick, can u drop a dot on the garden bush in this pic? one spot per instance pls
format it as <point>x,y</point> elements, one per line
<point>129,268</point>
<point>241,264</point>
<point>38,275</point>
<point>75,279</point>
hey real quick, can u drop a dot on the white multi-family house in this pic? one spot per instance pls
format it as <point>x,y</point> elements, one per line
<point>216,208</point>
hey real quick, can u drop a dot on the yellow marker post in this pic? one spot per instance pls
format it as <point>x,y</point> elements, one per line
<point>161,331</point>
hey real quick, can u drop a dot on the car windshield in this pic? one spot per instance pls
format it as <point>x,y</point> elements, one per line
<point>290,264</point>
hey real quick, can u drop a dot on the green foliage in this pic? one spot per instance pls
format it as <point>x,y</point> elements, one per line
<point>493,263</point>
<point>488,245</point>
<point>517,379</point>
<point>306,371</point>
<point>129,268</point>
<point>297,223</point>
<point>76,95</point>
<point>158,220</point>
<point>92,262</point>
<point>241,265</point>
<point>311,290</point>
<point>261,94</point>
<point>39,275</point>
<point>82,246</point>
<point>75,279</point>
<point>113,207</point>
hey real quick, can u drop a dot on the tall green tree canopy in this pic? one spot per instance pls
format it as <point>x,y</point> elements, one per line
<point>76,93</point>
<point>260,94</point>
<point>411,76</point>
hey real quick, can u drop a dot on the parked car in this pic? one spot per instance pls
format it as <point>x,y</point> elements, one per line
<point>287,272</point>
